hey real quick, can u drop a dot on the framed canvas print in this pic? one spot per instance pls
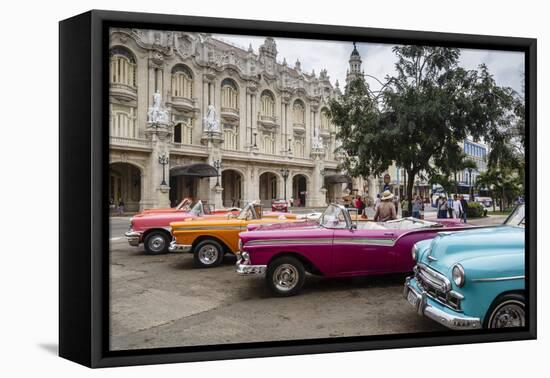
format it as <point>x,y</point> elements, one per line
<point>234,188</point>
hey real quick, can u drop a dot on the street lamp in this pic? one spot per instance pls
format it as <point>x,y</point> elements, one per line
<point>323,173</point>
<point>163,160</point>
<point>285,172</point>
<point>218,165</point>
<point>470,182</point>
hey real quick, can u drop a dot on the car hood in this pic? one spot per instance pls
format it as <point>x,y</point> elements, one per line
<point>449,248</point>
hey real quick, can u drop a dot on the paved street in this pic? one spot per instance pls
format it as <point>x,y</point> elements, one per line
<point>161,301</point>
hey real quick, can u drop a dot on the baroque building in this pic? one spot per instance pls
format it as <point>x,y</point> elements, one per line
<point>194,116</point>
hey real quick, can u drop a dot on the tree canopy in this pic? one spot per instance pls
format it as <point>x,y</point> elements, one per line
<point>422,116</point>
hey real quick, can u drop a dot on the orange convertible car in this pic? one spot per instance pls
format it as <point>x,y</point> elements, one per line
<point>209,240</point>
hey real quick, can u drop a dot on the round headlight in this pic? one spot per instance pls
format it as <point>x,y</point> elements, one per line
<point>458,275</point>
<point>414,252</point>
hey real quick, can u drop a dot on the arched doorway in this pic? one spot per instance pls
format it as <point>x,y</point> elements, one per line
<point>232,184</point>
<point>268,188</point>
<point>125,185</point>
<point>299,190</point>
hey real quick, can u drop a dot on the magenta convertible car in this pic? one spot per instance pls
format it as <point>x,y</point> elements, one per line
<point>333,246</point>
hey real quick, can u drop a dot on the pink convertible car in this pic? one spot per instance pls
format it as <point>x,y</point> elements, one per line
<point>333,246</point>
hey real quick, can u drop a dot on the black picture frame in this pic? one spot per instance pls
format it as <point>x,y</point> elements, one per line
<point>83,165</point>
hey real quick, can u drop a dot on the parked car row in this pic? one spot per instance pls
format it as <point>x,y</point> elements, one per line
<point>464,277</point>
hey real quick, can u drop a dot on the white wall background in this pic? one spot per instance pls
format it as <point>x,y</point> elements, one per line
<point>29,188</point>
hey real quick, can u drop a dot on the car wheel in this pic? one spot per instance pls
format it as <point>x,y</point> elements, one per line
<point>208,253</point>
<point>508,311</point>
<point>156,243</point>
<point>285,276</point>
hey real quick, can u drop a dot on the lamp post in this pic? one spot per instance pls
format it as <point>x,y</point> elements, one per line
<point>163,160</point>
<point>470,183</point>
<point>218,165</point>
<point>285,172</point>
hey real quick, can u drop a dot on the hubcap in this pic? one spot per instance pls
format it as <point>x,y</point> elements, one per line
<point>511,314</point>
<point>208,254</point>
<point>156,243</point>
<point>285,277</point>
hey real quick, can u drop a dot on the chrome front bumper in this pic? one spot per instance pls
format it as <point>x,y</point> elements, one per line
<point>133,238</point>
<point>452,319</point>
<point>174,247</point>
<point>244,268</point>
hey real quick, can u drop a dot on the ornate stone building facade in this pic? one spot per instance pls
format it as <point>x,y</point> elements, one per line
<point>185,107</point>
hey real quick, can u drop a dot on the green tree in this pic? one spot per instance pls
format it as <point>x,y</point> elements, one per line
<point>420,118</point>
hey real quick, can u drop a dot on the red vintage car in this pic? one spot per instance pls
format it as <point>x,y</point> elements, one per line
<point>279,205</point>
<point>153,229</point>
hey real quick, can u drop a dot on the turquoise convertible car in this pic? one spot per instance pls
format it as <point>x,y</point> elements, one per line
<point>472,279</point>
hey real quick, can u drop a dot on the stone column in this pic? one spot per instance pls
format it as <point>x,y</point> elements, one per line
<point>160,135</point>
<point>317,193</point>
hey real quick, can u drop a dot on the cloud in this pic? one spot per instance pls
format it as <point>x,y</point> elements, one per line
<point>378,59</point>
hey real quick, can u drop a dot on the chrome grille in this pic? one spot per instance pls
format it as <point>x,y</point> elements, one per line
<point>437,286</point>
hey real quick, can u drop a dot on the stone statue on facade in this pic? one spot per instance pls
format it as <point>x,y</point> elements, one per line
<point>316,140</point>
<point>157,113</point>
<point>210,123</point>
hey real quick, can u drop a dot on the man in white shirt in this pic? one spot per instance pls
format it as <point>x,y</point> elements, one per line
<point>457,207</point>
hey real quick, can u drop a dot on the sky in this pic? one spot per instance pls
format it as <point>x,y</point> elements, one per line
<point>378,59</point>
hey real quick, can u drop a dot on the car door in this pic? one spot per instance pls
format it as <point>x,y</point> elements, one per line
<point>358,252</point>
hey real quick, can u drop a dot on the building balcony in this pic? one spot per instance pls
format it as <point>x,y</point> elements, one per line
<point>123,92</point>
<point>325,133</point>
<point>229,114</point>
<point>267,123</point>
<point>130,143</point>
<point>183,104</point>
<point>299,128</point>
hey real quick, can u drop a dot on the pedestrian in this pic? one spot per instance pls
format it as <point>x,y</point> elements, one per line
<point>405,207</point>
<point>377,202</point>
<point>442,207</point>
<point>386,208</point>
<point>396,204</point>
<point>457,207</point>
<point>416,207</point>
<point>120,206</point>
<point>365,204</point>
<point>450,207</point>
<point>464,205</point>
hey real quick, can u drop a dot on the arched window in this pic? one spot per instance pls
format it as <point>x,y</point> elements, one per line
<point>325,120</point>
<point>230,94</point>
<point>123,67</point>
<point>122,122</point>
<point>269,143</point>
<point>231,137</point>
<point>182,82</point>
<point>268,104</point>
<point>299,150</point>
<point>299,112</point>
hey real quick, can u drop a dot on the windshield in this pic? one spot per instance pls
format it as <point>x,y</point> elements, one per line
<point>517,217</point>
<point>410,224</point>
<point>247,213</point>
<point>333,217</point>
<point>197,209</point>
<point>184,204</point>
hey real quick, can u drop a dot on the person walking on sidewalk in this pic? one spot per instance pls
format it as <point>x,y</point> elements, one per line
<point>464,205</point>
<point>457,207</point>
<point>416,207</point>
<point>442,207</point>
